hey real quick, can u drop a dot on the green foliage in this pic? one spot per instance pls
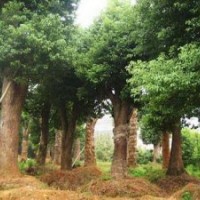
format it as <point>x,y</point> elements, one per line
<point>144,156</point>
<point>25,165</point>
<point>186,196</point>
<point>191,147</point>
<point>104,147</point>
<point>193,170</point>
<point>107,48</point>
<point>149,171</point>
<point>105,169</point>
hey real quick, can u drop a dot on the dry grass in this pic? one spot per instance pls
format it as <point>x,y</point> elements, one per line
<point>71,180</point>
<point>172,184</point>
<point>132,188</point>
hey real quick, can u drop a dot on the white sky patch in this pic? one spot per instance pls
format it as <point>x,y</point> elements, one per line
<point>105,124</point>
<point>88,10</point>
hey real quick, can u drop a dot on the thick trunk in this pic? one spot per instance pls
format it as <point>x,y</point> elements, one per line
<point>68,128</point>
<point>176,166</point>
<point>156,152</point>
<point>165,150</point>
<point>42,152</point>
<point>77,149</point>
<point>121,116</point>
<point>90,158</point>
<point>132,139</point>
<point>9,127</point>
<point>57,147</point>
<point>24,153</point>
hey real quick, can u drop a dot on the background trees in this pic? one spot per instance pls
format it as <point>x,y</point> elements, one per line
<point>146,55</point>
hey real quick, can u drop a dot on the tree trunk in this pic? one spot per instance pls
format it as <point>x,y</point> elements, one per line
<point>90,158</point>
<point>132,139</point>
<point>156,152</point>
<point>121,116</point>
<point>11,109</point>
<point>77,149</point>
<point>68,128</point>
<point>165,150</point>
<point>42,152</point>
<point>25,135</point>
<point>57,147</point>
<point>176,166</point>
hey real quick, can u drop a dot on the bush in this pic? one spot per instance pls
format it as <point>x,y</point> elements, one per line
<point>191,147</point>
<point>186,196</point>
<point>151,172</point>
<point>144,156</point>
<point>27,165</point>
<point>104,147</point>
<point>193,170</point>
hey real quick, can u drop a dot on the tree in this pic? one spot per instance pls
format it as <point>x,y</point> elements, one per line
<point>109,50</point>
<point>168,29</point>
<point>90,158</point>
<point>22,60</point>
<point>132,139</point>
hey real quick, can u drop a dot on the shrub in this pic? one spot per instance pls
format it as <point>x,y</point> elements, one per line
<point>191,147</point>
<point>193,170</point>
<point>144,156</point>
<point>186,196</point>
<point>27,166</point>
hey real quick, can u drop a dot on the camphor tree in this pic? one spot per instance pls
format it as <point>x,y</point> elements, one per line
<point>110,48</point>
<point>31,45</point>
<point>169,83</point>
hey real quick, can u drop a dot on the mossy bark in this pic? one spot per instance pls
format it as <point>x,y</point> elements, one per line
<point>90,158</point>
<point>132,139</point>
<point>57,147</point>
<point>121,118</point>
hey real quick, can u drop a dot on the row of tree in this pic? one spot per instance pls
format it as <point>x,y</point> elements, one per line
<point>142,56</point>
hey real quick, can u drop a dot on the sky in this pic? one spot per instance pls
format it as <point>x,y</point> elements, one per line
<point>88,10</point>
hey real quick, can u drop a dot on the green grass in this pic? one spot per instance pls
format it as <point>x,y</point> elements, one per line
<point>151,172</point>
<point>105,168</point>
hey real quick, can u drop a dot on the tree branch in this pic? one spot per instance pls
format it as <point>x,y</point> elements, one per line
<point>5,92</point>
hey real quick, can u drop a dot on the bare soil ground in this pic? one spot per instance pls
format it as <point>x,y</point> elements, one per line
<point>87,184</point>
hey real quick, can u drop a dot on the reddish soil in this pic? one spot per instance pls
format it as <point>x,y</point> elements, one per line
<point>132,187</point>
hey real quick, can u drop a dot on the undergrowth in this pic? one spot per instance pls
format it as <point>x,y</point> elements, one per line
<point>193,170</point>
<point>151,172</point>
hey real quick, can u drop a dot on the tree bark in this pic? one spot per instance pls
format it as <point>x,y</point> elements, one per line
<point>90,158</point>
<point>165,150</point>
<point>156,152</point>
<point>77,149</point>
<point>57,147</point>
<point>68,130</point>
<point>132,139</point>
<point>121,116</point>
<point>25,135</point>
<point>176,166</point>
<point>11,109</point>
<point>42,152</point>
